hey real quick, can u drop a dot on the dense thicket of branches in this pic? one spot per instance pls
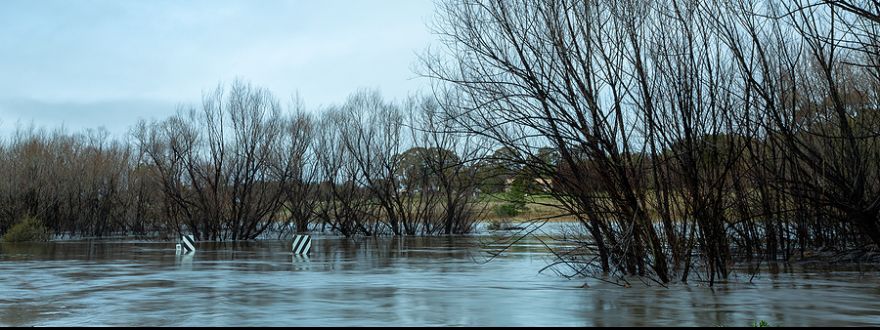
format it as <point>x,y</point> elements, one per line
<point>241,165</point>
<point>688,134</point>
<point>83,183</point>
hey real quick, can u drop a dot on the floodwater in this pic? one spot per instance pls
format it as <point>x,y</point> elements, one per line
<point>387,282</point>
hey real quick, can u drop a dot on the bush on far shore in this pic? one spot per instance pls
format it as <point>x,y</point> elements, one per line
<point>29,229</point>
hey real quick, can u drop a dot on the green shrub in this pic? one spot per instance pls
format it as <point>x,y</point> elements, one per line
<point>28,229</point>
<point>507,210</point>
<point>761,324</point>
<point>516,204</point>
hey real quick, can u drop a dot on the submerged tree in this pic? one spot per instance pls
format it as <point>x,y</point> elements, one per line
<point>682,128</point>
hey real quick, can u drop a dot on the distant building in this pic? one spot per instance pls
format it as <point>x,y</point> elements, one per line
<point>544,184</point>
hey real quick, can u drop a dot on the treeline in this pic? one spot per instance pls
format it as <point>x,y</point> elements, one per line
<point>687,135</point>
<point>241,165</point>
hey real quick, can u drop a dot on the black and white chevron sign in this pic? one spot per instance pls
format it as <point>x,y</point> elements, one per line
<point>188,243</point>
<point>302,244</point>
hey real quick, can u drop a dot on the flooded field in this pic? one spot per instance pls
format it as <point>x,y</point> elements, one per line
<point>385,282</point>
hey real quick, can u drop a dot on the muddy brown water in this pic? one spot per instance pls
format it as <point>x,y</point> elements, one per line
<point>387,282</point>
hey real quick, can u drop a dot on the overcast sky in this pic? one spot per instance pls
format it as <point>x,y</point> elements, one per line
<point>91,63</point>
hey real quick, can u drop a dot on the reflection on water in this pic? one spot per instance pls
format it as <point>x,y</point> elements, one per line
<point>384,281</point>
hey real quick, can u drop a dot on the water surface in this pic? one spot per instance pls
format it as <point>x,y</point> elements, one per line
<point>386,282</point>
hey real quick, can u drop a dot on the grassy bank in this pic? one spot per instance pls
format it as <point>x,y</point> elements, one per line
<point>535,207</point>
